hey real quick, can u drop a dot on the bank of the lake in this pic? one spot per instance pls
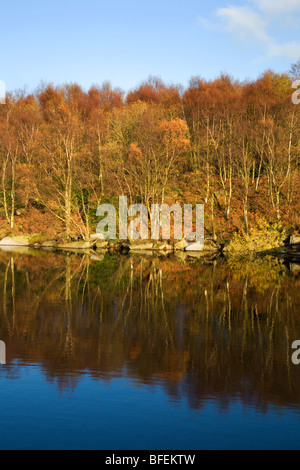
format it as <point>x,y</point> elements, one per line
<point>240,247</point>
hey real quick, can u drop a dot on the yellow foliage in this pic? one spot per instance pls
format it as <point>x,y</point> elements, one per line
<point>262,237</point>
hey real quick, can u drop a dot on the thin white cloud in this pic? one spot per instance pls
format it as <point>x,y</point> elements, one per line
<point>207,24</point>
<point>288,49</point>
<point>278,7</point>
<point>243,21</point>
<point>256,20</point>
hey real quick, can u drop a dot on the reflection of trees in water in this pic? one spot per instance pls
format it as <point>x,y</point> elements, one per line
<point>201,330</point>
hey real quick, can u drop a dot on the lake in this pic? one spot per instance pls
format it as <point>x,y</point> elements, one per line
<point>148,352</point>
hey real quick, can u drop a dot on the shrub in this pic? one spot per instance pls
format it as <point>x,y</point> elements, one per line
<point>262,237</point>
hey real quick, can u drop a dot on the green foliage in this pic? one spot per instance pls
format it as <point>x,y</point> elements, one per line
<point>107,269</point>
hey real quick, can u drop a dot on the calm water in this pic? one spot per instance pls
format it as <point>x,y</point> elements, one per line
<point>150,353</point>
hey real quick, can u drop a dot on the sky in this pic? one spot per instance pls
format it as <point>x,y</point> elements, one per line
<point>126,41</point>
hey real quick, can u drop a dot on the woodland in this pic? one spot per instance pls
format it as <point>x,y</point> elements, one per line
<point>231,145</point>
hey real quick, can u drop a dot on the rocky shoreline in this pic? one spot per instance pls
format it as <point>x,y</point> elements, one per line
<point>289,251</point>
<point>95,243</point>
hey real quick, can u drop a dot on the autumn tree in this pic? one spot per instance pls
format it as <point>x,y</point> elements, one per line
<point>62,142</point>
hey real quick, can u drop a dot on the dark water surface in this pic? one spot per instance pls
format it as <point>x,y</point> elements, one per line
<point>148,352</point>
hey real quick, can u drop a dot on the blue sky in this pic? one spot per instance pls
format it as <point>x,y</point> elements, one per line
<point>126,41</point>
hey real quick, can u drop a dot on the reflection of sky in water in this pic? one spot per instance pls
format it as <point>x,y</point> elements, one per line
<point>123,414</point>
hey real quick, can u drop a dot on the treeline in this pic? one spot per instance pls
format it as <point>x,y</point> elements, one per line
<point>232,145</point>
